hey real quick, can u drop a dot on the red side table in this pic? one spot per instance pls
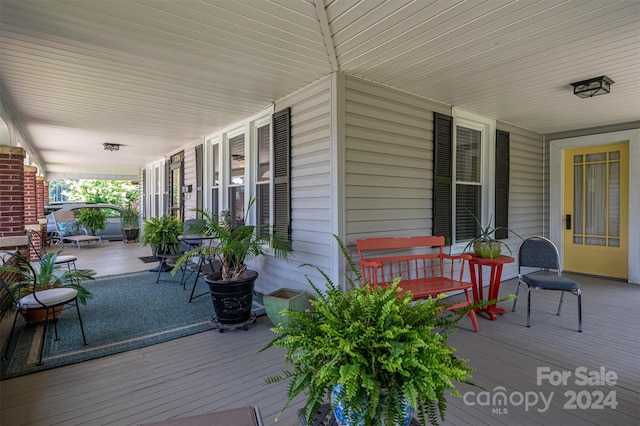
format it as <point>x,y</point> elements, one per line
<point>475,265</point>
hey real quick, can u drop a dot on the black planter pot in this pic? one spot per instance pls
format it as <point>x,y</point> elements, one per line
<point>130,234</point>
<point>232,300</point>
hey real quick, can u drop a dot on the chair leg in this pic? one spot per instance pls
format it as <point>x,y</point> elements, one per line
<point>6,348</point>
<point>195,283</point>
<point>472,313</point>
<point>513,309</point>
<point>44,336</point>
<point>84,338</point>
<point>528,307</point>
<point>193,289</point>
<point>160,266</point>
<point>561,302</point>
<point>55,325</point>
<point>579,311</point>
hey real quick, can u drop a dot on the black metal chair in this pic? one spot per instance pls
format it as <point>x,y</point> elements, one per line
<point>19,281</point>
<point>187,242</point>
<point>539,252</point>
<point>37,244</point>
<point>206,265</point>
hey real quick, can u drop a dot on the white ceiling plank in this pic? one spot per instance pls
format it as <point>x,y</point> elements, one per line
<point>157,75</point>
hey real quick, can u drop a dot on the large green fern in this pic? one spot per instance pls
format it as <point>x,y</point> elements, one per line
<point>380,346</point>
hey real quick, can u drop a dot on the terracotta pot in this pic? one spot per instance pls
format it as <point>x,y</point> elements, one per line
<point>39,315</point>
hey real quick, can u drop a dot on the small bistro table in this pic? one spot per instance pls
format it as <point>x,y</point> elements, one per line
<point>475,265</point>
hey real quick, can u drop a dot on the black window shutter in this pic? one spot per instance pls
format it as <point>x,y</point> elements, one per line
<point>502,184</point>
<point>199,178</point>
<point>167,186</point>
<point>281,173</point>
<point>442,189</point>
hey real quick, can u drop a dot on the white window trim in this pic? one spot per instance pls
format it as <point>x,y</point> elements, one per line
<point>254,164</point>
<point>487,127</point>
<point>249,128</point>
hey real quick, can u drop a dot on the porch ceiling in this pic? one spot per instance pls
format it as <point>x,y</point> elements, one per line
<point>154,76</point>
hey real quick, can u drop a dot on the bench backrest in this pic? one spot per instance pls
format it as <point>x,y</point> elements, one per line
<point>380,264</point>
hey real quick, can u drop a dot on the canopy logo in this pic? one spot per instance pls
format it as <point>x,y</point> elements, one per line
<point>596,397</point>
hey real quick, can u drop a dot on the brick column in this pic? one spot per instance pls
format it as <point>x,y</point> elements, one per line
<point>12,234</point>
<point>39,197</point>
<point>31,206</point>
<point>41,202</point>
<point>30,195</point>
<point>45,194</point>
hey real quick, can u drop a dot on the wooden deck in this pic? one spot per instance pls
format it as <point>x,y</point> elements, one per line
<point>212,371</point>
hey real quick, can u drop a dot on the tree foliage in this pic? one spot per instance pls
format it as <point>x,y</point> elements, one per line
<point>118,192</point>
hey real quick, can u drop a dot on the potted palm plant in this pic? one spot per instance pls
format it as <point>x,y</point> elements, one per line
<point>161,234</point>
<point>47,277</point>
<point>376,356</point>
<point>232,287</point>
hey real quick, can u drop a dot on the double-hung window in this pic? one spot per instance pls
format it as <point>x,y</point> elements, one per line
<point>465,179</point>
<point>251,161</point>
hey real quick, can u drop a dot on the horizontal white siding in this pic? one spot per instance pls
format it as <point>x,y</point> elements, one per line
<point>389,158</point>
<point>311,193</point>
<point>389,168</point>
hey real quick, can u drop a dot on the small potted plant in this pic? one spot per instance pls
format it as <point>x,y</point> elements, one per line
<point>232,287</point>
<point>161,234</point>
<point>284,299</point>
<point>375,355</point>
<point>47,277</point>
<point>484,244</point>
<point>130,222</point>
<point>93,220</point>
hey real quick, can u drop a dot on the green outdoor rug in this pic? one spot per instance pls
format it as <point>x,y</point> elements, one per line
<point>126,312</point>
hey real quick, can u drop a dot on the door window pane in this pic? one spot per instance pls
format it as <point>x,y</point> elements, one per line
<point>596,195</point>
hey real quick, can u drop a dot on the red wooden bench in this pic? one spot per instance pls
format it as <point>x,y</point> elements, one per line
<point>424,272</point>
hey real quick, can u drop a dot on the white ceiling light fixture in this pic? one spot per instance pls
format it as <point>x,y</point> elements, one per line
<point>592,87</point>
<point>111,146</point>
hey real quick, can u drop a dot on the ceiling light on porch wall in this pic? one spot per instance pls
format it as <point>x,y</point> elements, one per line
<point>111,146</point>
<point>592,87</point>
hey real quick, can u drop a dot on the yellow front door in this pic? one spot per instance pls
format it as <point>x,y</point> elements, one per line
<point>596,210</point>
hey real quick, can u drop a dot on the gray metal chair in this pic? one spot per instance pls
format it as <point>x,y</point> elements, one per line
<point>539,252</point>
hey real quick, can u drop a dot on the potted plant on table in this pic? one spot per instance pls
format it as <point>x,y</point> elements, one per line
<point>232,287</point>
<point>484,244</point>
<point>377,354</point>
<point>47,276</point>
<point>130,223</point>
<point>93,220</point>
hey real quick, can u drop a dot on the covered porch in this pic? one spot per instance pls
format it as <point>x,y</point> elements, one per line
<point>213,371</point>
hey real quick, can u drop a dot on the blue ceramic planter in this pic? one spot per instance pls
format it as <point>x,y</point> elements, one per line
<point>348,416</point>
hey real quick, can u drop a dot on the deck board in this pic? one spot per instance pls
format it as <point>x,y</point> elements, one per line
<point>213,371</point>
